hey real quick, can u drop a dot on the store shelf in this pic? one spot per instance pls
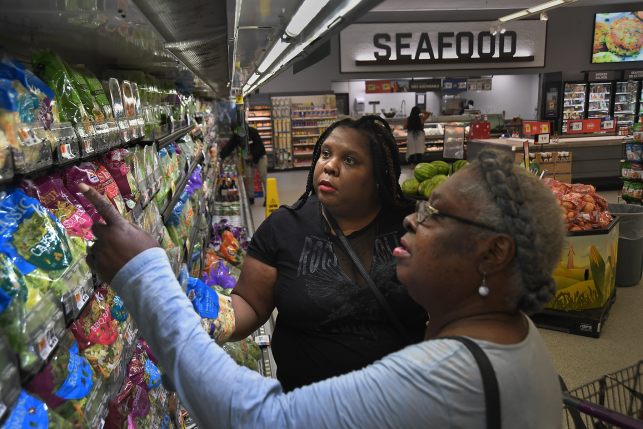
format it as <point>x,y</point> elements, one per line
<point>624,111</point>
<point>572,92</point>
<point>258,118</point>
<point>307,135</point>
<point>167,210</point>
<point>303,165</point>
<point>263,128</point>
<point>308,126</point>
<point>622,93</point>
<point>314,110</point>
<point>302,153</point>
<point>305,118</point>
<point>305,144</point>
<point>166,140</point>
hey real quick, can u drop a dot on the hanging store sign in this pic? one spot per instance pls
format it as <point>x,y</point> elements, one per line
<point>479,85</point>
<point>454,85</point>
<point>426,85</point>
<point>602,76</point>
<point>633,74</point>
<point>441,46</point>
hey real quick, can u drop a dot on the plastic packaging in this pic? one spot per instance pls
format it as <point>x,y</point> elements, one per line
<point>29,412</point>
<point>96,90</point>
<point>80,85</point>
<point>118,110</point>
<point>122,174</point>
<point>217,314</point>
<point>9,376</point>
<point>634,152</point>
<point>230,249</point>
<point>84,173</point>
<point>64,142</point>
<point>97,336</point>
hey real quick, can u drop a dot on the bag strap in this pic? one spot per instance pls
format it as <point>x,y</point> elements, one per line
<point>489,381</point>
<point>367,278</point>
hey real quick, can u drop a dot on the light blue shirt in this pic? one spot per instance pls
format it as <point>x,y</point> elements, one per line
<point>433,384</point>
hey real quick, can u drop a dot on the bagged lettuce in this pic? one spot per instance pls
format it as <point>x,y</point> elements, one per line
<point>51,192</point>
<point>142,370</point>
<point>31,413</point>
<point>26,102</point>
<point>217,314</point>
<point>97,335</point>
<point>36,243</point>
<point>111,188</point>
<point>114,162</point>
<point>132,400</point>
<point>51,69</point>
<point>81,87</point>
<point>96,90</point>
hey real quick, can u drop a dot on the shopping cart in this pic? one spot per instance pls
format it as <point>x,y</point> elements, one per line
<point>612,401</point>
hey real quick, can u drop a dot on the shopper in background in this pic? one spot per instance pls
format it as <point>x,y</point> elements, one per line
<point>256,158</point>
<point>465,107</point>
<point>330,322</point>
<point>477,256</point>
<point>414,126</point>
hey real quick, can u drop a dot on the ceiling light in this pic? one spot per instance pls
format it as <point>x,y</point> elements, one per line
<point>252,79</point>
<point>493,31</point>
<point>514,16</point>
<point>277,49</point>
<point>502,29</point>
<point>545,6</point>
<point>543,16</point>
<point>306,12</point>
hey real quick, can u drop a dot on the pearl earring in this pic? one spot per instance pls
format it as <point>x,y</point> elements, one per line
<point>483,290</point>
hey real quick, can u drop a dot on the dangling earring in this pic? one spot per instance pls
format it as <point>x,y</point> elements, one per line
<point>483,290</point>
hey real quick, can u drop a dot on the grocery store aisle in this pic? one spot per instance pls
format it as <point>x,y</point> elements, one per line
<point>578,360</point>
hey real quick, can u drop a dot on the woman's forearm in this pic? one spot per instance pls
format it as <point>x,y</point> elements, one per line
<point>246,320</point>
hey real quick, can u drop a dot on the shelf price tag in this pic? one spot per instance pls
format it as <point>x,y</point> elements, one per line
<point>262,340</point>
<point>81,297</point>
<point>541,139</point>
<point>608,125</point>
<point>47,343</point>
<point>576,126</point>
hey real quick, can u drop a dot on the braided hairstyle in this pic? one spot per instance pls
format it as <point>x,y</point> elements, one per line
<point>522,206</point>
<point>383,149</point>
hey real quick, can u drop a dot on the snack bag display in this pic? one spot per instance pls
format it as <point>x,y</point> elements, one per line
<point>97,336</point>
<point>634,152</point>
<point>29,412</point>
<point>217,314</point>
<point>230,249</point>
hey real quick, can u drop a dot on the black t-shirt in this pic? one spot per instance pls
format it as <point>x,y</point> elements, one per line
<point>329,321</point>
<point>255,145</point>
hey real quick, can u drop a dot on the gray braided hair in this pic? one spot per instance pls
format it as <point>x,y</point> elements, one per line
<point>514,200</point>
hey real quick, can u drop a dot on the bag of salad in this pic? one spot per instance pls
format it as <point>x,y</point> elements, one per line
<point>36,243</point>
<point>51,192</point>
<point>68,377</point>
<point>142,370</point>
<point>50,69</point>
<point>31,413</point>
<point>111,188</point>
<point>81,87</point>
<point>116,308</point>
<point>84,173</point>
<point>97,336</point>
<point>131,399</point>
<point>217,314</point>
<point>96,90</point>
<point>122,175</point>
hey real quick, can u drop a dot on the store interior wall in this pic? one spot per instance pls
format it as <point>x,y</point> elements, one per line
<point>517,95</point>
<point>570,32</point>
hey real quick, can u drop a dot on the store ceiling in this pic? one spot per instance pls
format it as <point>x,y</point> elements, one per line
<point>426,5</point>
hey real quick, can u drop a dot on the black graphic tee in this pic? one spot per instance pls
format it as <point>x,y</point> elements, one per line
<point>329,321</point>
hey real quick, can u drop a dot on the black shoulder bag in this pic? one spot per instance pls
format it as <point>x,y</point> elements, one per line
<point>489,380</point>
<point>367,278</point>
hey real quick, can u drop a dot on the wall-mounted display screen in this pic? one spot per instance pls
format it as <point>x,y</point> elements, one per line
<point>618,37</point>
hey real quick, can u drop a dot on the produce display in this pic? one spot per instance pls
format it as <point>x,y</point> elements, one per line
<point>582,208</point>
<point>428,176</point>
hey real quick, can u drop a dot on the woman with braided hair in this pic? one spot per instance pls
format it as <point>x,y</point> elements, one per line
<point>330,322</point>
<point>478,256</point>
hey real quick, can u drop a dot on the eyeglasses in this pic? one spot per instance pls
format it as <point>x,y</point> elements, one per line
<point>424,210</point>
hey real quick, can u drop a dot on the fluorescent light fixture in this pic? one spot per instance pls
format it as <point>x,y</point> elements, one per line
<point>545,6</point>
<point>543,16</point>
<point>493,31</point>
<point>514,16</point>
<point>306,12</point>
<point>252,79</point>
<point>277,49</point>
<point>502,30</point>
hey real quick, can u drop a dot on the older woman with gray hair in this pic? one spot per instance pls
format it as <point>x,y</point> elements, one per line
<point>478,256</point>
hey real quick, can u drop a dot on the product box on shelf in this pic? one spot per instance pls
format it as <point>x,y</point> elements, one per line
<point>638,134</point>
<point>479,130</point>
<point>563,163</point>
<point>586,272</point>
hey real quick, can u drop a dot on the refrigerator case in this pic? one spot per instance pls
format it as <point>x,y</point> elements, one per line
<point>625,101</point>
<point>574,102</point>
<point>600,97</point>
